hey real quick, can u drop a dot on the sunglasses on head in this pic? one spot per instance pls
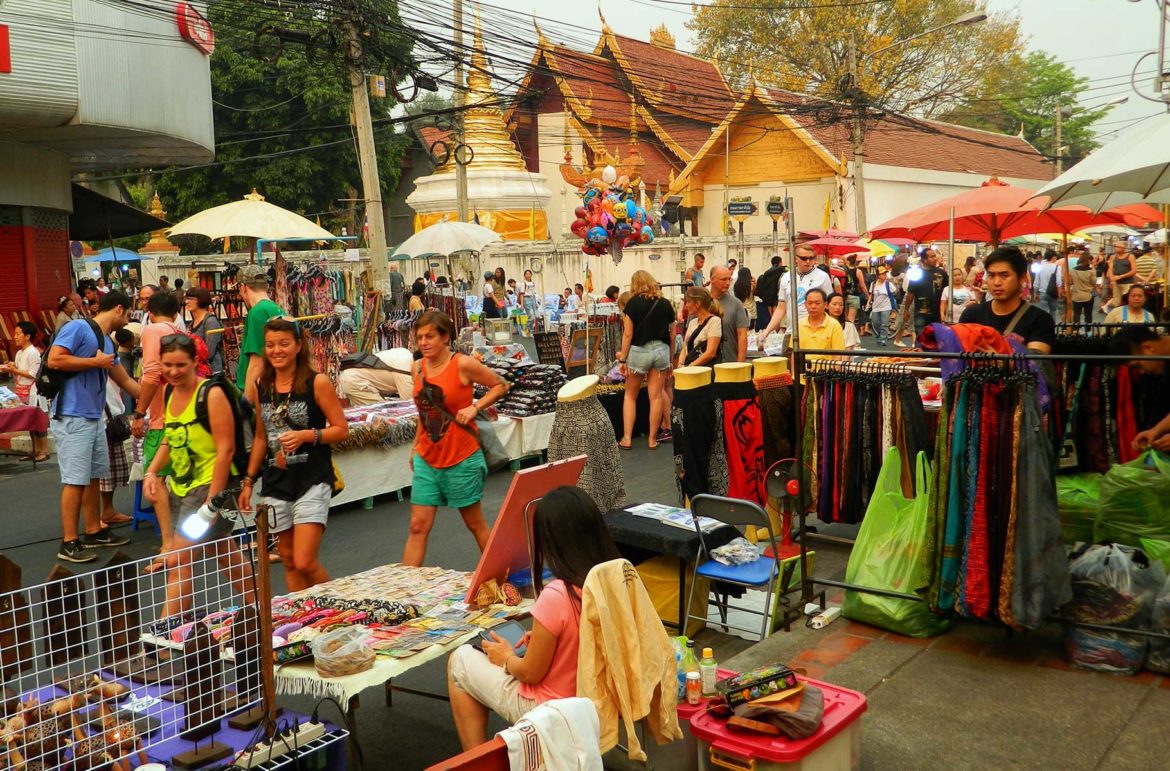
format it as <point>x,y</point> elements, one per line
<point>276,321</point>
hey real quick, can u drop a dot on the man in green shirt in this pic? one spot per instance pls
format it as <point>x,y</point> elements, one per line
<point>254,293</point>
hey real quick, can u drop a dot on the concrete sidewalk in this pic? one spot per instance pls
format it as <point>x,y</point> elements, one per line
<point>975,697</point>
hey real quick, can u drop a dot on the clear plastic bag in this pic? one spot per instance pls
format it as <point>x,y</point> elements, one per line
<point>342,651</point>
<point>1113,585</point>
<point>1158,658</point>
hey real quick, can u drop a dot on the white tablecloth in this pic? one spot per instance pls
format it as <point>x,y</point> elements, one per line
<point>375,471</point>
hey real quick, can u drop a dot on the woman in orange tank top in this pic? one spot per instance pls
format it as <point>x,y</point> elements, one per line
<point>449,468</point>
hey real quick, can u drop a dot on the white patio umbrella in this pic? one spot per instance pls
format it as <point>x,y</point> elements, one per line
<point>1133,168</point>
<point>251,217</point>
<point>446,238</point>
<point>1157,237</point>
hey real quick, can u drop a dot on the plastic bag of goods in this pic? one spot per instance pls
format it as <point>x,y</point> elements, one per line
<point>343,651</point>
<point>1078,497</point>
<point>887,555</point>
<point>1133,501</point>
<point>1158,658</point>
<point>1113,585</point>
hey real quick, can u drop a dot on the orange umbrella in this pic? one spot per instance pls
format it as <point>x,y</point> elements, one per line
<point>995,213</point>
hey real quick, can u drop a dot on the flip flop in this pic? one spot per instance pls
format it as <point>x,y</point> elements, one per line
<point>120,519</point>
<point>42,458</point>
<point>156,564</point>
<point>626,446</point>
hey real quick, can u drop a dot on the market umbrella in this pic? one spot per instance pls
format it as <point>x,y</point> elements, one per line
<point>830,233</point>
<point>998,212</point>
<point>446,238</point>
<point>878,248</point>
<point>836,246</point>
<point>1134,167</point>
<point>116,254</point>
<point>250,217</point>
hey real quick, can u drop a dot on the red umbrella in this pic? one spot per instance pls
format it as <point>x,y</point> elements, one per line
<point>996,213</point>
<point>830,233</point>
<point>835,246</point>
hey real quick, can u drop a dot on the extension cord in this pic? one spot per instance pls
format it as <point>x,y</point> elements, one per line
<point>812,608</point>
<point>825,617</point>
<point>282,744</point>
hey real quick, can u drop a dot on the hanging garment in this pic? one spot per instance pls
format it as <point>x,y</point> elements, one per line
<point>743,439</point>
<point>692,419</point>
<point>777,397</point>
<point>581,427</point>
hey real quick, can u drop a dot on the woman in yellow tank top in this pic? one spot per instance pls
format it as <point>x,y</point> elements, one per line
<point>200,463</point>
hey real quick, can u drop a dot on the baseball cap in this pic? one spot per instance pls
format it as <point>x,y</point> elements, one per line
<point>254,276</point>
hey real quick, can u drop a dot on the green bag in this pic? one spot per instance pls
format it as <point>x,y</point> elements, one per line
<point>1079,499</point>
<point>1135,501</point>
<point>888,554</point>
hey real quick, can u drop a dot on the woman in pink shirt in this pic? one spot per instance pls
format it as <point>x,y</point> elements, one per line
<point>569,537</point>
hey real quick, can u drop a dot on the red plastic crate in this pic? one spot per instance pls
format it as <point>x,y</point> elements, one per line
<point>842,708</point>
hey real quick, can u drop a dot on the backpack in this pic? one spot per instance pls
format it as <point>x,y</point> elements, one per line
<point>243,414</point>
<point>51,382</point>
<point>202,357</point>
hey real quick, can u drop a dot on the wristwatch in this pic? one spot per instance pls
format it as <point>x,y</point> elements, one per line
<point>136,415</point>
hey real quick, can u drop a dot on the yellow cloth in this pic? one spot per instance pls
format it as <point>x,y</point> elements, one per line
<point>828,336</point>
<point>192,453</point>
<point>625,664</point>
<point>526,225</point>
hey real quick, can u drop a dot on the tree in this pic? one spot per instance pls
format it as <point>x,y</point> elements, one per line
<point>279,85</point>
<point>806,48</point>
<point>1029,101</point>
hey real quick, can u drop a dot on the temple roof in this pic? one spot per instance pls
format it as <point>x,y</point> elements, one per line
<point>898,140</point>
<point>669,80</point>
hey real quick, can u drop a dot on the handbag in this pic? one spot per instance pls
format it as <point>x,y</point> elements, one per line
<point>117,428</point>
<point>493,449</point>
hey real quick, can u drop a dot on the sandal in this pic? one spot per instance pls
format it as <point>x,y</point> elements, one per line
<point>117,520</point>
<point>626,446</point>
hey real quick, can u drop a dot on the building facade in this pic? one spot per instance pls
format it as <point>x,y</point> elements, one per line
<point>85,87</point>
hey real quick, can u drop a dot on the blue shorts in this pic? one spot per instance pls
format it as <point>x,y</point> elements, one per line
<point>457,486</point>
<point>82,452</point>
<point>654,355</point>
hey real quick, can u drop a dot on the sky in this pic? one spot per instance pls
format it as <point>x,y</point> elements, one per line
<point>1101,39</point>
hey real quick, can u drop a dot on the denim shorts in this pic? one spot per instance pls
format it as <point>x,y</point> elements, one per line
<point>653,355</point>
<point>312,508</point>
<point>82,451</point>
<point>458,486</point>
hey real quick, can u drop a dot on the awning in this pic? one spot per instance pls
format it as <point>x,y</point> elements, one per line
<point>97,218</point>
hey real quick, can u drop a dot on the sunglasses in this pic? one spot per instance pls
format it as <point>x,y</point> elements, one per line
<point>806,257</point>
<point>276,321</point>
<point>179,339</point>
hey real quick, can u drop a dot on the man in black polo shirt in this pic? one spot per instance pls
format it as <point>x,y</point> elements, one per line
<point>1005,309</point>
<point>768,289</point>
<point>927,291</point>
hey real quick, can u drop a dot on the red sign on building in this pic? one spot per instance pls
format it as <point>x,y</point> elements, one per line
<point>195,28</point>
<point>5,50</point>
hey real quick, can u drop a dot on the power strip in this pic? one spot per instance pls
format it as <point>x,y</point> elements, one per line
<point>825,617</point>
<point>282,744</point>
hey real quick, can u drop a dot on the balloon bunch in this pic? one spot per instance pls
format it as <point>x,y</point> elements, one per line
<point>610,216</point>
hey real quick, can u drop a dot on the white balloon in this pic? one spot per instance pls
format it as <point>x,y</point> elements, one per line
<point>609,175</point>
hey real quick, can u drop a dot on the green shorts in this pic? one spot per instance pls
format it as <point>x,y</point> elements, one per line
<point>154,439</point>
<point>458,486</point>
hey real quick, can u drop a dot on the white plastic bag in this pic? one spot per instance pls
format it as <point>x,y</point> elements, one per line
<point>342,651</point>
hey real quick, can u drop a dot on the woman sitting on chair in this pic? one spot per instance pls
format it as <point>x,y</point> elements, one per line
<point>569,537</point>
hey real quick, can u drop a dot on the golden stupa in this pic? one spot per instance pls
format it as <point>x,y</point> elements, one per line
<point>502,194</point>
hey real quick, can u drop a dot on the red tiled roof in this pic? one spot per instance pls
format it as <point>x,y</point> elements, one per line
<point>431,134</point>
<point>896,140</point>
<point>595,82</point>
<point>675,81</point>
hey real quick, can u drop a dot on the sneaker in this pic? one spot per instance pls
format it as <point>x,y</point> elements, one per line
<point>899,343</point>
<point>103,537</point>
<point>73,551</point>
<point>663,436</point>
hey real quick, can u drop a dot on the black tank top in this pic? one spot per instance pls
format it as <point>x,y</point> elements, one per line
<point>310,464</point>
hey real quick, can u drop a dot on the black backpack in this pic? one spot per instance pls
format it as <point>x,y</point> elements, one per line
<point>51,382</point>
<point>243,414</point>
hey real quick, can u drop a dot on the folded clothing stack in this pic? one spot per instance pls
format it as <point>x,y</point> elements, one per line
<point>534,389</point>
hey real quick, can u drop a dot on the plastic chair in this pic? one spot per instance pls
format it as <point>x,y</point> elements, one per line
<point>492,755</point>
<point>143,513</point>
<point>760,574</point>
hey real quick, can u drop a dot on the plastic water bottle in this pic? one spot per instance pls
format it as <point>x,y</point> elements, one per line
<point>682,676</point>
<point>707,672</point>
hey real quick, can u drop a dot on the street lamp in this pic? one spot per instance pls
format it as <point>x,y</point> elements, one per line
<point>1068,112</point>
<point>859,104</point>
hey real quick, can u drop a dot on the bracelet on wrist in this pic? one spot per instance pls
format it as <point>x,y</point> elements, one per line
<point>316,436</point>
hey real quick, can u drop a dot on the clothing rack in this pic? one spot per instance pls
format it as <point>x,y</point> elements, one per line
<point>803,365</point>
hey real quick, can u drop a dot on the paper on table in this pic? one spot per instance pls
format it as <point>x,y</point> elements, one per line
<point>674,516</point>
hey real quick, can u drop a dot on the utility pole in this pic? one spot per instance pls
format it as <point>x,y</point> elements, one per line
<point>368,163</point>
<point>1058,153</point>
<point>460,103</point>
<point>858,141</point>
